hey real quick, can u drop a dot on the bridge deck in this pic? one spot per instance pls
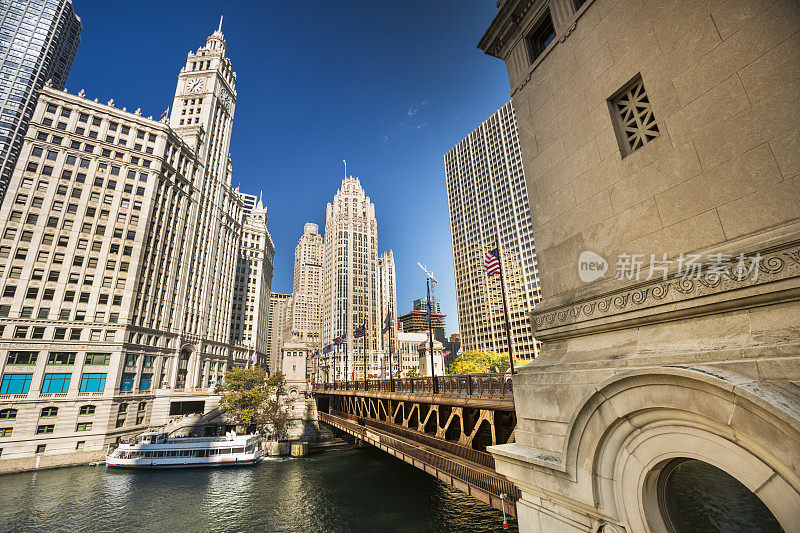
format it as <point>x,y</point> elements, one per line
<point>475,479</point>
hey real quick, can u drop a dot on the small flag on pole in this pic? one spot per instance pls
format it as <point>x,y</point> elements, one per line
<point>341,339</point>
<point>360,331</point>
<point>328,348</point>
<point>164,114</point>
<point>491,262</point>
<point>387,323</point>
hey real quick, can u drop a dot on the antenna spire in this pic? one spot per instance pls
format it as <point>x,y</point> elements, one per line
<point>345,168</point>
<point>220,24</point>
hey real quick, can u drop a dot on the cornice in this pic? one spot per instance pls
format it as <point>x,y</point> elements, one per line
<point>661,300</point>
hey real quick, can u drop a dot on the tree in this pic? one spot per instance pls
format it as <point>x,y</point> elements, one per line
<point>482,362</point>
<point>412,373</point>
<point>253,399</point>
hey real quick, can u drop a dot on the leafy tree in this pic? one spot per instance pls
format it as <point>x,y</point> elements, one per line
<point>253,399</point>
<point>482,362</point>
<point>412,373</point>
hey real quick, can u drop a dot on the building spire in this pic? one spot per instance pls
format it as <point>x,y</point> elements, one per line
<point>220,24</point>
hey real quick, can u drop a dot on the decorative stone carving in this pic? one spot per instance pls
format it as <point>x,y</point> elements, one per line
<point>772,266</point>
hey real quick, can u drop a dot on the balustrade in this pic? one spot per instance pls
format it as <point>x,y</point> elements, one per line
<point>462,385</point>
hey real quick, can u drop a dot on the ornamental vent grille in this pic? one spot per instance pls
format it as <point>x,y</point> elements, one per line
<point>633,117</point>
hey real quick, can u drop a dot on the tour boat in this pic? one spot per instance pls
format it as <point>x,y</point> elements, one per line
<point>159,450</point>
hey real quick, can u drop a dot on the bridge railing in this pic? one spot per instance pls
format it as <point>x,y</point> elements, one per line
<point>465,385</point>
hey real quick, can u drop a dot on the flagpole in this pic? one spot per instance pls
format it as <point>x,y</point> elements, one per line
<point>430,338</point>
<point>391,376</point>
<point>365,356</point>
<point>505,308</point>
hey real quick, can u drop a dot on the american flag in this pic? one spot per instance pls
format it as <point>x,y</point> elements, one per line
<point>491,262</point>
<point>360,332</point>
<point>341,339</point>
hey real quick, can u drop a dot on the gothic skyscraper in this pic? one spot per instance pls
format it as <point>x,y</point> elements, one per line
<point>351,286</point>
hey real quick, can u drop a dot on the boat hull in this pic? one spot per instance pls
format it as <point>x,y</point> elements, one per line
<point>110,463</point>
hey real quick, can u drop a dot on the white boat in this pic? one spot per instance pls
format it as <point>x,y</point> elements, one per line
<point>159,450</point>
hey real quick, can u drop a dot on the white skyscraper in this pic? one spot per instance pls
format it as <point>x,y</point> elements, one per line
<point>304,315</point>
<point>250,312</point>
<point>487,197</point>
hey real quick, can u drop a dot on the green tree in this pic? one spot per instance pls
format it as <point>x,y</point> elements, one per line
<point>482,362</point>
<point>412,373</point>
<point>253,399</point>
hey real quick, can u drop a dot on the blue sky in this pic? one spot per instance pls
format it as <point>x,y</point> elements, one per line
<point>389,86</point>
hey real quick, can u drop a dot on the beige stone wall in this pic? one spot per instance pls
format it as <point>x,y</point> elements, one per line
<point>634,374</point>
<point>722,78</point>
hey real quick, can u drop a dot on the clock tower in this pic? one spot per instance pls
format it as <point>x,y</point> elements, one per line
<point>205,99</point>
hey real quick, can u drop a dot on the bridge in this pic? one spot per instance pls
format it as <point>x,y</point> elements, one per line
<point>440,425</point>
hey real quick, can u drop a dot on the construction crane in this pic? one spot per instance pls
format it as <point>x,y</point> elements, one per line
<point>431,292</point>
<point>432,278</point>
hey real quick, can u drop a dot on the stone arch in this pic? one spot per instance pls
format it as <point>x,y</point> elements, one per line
<point>632,425</point>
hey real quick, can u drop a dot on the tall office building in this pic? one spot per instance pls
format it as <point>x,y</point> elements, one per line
<point>119,248</point>
<point>488,201</point>
<point>351,279</point>
<point>277,330</point>
<point>253,285</point>
<point>304,311</point>
<point>37,43</point>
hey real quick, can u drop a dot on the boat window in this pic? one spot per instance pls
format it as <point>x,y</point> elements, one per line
<point>238,450</point>
<point>186,453</point>
<point>249,449</point>
<point>225,451</point>
<point>159,454</point>
<point>172,453</point>
<point>148,454</point>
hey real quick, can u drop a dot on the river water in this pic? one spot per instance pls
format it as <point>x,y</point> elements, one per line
<point>359,490</point>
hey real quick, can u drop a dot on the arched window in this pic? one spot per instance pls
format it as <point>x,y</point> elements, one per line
<point>183,367</point>
<point>48,412</point>
<point>8,414</point>
<point>87,410</point>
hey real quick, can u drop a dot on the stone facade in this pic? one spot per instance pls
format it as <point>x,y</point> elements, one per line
<point>653,131</point>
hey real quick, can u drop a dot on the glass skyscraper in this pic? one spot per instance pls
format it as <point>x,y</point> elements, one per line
<point>38,39</point>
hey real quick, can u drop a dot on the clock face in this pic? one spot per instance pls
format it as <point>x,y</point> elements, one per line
<point>195,85</point>
<point>225,98</point>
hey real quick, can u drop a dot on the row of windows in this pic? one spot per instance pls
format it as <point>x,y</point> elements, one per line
<point>56,358</point>
<point>48,412</point>
<point>52,383</point>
